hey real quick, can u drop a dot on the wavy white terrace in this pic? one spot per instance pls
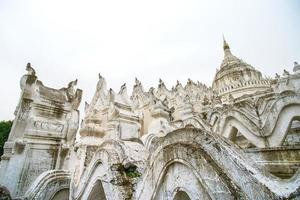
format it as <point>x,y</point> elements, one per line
<point>236,139</point>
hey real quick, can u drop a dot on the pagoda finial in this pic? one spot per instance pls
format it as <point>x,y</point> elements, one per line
<point>226,48</point>
<point>225,44</point>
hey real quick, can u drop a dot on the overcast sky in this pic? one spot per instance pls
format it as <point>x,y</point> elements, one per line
<point>124,39</point>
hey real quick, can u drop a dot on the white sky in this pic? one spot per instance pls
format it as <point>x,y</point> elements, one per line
<point>124,39</point>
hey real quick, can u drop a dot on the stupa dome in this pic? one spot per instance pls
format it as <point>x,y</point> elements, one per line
<point>236,77</point>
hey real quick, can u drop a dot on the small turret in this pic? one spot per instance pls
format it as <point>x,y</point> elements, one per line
<point>30,70</point>
<point>161,83</point>
<point>285,73</point>
<point>296,67</point>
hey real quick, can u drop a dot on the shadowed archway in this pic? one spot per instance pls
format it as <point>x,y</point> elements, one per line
<point>61,195</point>
<point>97,192</point>
<point>181,195</point>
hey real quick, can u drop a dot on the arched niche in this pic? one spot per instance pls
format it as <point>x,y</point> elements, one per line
<point>97,193</point>
<point>61,195</point>
<point>181,195</point>
<point>52,184</point>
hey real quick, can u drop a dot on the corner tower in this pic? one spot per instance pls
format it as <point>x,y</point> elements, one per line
<point>42,135</point>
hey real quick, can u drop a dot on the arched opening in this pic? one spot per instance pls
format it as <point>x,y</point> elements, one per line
<point>233,133</point>
<point>189,126</point>
<point>61,195</point>
<point>289,159</point>
<point>239,139</point>
<point>97,192</point>
<point>174,178</point>
<point>214,120</point>
<point>293,134</point>
<point>181,195</point>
